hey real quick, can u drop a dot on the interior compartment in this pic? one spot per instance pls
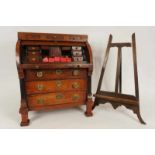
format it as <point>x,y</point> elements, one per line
<point>56,51</point>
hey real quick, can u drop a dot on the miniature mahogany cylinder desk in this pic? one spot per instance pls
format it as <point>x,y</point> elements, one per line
<point>54,72</point>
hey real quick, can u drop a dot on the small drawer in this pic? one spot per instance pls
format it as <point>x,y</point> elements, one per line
<point>33,53</point>
<point>33,59</point>
<point>33,48</point>
<point>35,87</point>
<point>76,48</point>
<point>77,59</point>
<point>55,74</point>
<point>77,53</point>
<point>50,99</point>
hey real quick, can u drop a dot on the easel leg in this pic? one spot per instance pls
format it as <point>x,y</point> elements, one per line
<point>120,74</point>
<point>95,104</point>
<point>89,106</point>
<point>139,115</point>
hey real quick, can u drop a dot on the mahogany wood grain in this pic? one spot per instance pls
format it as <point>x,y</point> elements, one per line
<point>56,98</point>
<point>32,45</point>
<point>57,106</point>
<point>47,43</point>
<point>52,37</point>
<point>35,87</point>
<point>55,74</point>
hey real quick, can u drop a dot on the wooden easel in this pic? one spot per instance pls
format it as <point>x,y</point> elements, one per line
<point>117,98</point>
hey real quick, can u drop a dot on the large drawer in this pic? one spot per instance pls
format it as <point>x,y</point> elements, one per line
<point>33,87</point>
<point>55,74</point>
<point>56,98</point>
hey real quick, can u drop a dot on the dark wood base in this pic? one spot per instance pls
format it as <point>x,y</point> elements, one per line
<point>24,111</point>
<point>134,108</point>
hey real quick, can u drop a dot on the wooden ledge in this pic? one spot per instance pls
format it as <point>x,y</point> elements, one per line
<point>116,98</point>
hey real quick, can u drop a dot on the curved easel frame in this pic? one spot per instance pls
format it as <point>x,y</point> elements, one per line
<point>117,98</point>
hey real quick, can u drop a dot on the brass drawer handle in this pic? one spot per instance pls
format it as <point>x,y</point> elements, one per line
<point>40,87</point>
<point>40,101</point>
<point>75,97</point>
<point>34,59</point>
<point>58,84</point>
<point>58,72</point>
<point>59,96</point>
<point>37,67</point>
<point>39,74</point>
<point>76,72</point>
<point>75,85</point>
<point>33,53</point>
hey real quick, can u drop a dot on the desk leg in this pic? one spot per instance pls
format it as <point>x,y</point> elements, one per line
<point>89,106</point>
<point>24,114</point>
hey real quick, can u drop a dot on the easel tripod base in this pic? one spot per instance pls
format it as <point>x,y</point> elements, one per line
<point>129,101</point>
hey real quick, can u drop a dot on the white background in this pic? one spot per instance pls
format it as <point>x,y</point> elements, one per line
<point>104,115</point>
<point>64,13</point>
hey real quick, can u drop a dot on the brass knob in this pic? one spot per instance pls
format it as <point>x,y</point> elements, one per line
<point>58,84</point>
<point>33,59</point>
<point>40,101</point>
<point>58,72</point>
<point>33,53</point>
<point>75,97</point>
<point>75,85</point>
<point>76,72</point>
<point>59,96</point>
<point>37,67</point>
<point>39,74</point>
<point>40,87</point>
